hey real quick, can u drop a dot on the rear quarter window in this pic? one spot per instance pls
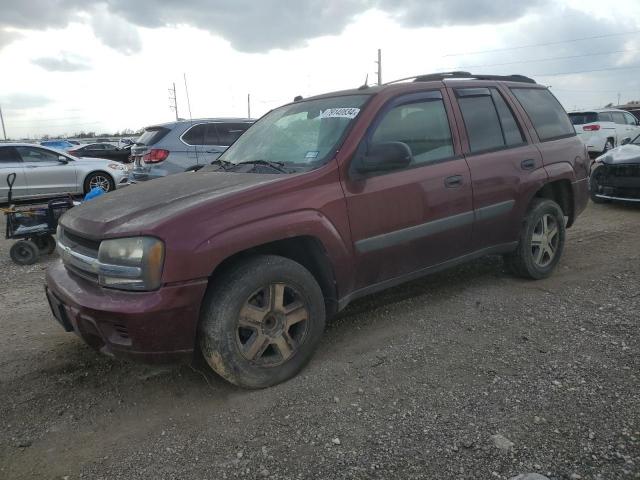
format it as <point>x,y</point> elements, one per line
<point>152,135</point>
<point>547,115</point>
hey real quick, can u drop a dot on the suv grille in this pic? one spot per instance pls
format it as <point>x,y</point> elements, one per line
<point>79,254</point>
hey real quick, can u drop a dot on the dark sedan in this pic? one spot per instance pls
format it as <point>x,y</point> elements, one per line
<point>616,175</point>
<point>102,150</point>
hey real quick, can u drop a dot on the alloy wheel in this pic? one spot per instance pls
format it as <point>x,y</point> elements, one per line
<point>272,325</point>
<point>545,240</point>
<point>100,181</point>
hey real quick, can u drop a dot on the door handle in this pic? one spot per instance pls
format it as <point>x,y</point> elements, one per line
<point>528,164</point>
<point>453,182</point>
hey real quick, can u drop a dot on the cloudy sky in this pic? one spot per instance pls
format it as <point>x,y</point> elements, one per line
<point>106,65</point>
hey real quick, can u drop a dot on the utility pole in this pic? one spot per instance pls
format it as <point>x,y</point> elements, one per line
<point>4,132</point>
<point>618,99</point>
<point>186,89</point>
<point>379,62</point>
<point>248,105</point>
<point>173,99</point>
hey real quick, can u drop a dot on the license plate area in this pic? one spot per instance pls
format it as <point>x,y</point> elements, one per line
<point>59,311</point>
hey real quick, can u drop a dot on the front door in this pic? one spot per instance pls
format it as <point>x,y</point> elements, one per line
<point>45,173</point>
<point>408,219</point>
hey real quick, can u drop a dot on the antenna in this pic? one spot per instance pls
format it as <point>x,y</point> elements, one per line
<point>379,62</point>
<point>186,89</point>
<point>4,132</point>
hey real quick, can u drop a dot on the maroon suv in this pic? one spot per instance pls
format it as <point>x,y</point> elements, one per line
<point>322,201</point>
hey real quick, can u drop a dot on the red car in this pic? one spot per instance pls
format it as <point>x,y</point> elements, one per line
<point>322,201</point>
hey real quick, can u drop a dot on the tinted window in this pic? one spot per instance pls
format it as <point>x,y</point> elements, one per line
<point>631,120</point>
<point>604,117</point>
<point>618,118</point>
<point>423,126</point>
<point>30,154</point>
<point>9,155</point>
<point>152,135</point>
<point>580,118</point>
<point>230,132</point>
<point>481,120</point>
<point>195,135</point>
<point>547,115</point>
<point>211,135</point>
<point>510,129</point>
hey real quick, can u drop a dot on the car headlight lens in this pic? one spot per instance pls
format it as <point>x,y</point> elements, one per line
<point>133,263</point>
<point>116,166</point>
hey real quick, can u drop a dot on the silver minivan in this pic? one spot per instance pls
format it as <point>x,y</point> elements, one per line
<point>183,145</point>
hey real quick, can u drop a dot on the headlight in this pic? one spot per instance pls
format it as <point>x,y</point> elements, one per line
<point>116,166</point>
<point>131,263</point>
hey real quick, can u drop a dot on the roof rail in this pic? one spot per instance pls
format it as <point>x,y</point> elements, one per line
<point>465,75</point>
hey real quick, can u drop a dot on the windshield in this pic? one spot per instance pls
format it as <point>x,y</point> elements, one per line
<point>299,136</point>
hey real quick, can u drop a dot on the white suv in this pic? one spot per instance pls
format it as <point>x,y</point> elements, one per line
<point>602,130</point>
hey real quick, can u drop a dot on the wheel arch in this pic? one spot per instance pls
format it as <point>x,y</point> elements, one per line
<point>559,191</point>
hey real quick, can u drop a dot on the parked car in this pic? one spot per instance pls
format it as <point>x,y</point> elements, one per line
<point>101,150</point>
<point>57,144</point>
<point>43,172</point>
<point>616,174</point>
<point>183,145</point>
<point>602,130</point>
<point>322,201</point>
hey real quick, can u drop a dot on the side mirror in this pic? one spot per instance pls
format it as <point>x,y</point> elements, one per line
<point>62,159</point>
<point>384,157</point>
<point>625,141</point>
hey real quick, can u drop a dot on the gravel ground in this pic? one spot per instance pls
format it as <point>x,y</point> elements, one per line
<point>468,374</point>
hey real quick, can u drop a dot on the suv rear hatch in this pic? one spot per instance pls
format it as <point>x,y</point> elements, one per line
<point>145,142</point>
<point>585,123</point>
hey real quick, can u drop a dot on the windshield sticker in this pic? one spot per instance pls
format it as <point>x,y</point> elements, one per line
<point>312,154</point>
<point>344,112</point>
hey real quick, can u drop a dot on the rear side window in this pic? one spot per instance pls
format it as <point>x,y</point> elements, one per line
<point>618,118</point>
<point>580,118</point>
<point>631,120</point>
<point>489,122</point>
<point>230,132</point>
<point>604,117</point>
<point>195,135</point>
<point>211,135</point>
<point>9,155</point>
<point>152,135</point>
<point>547,115</point>
<point>422,125</point>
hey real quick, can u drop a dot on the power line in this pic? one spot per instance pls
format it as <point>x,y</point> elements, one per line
<point>542,44</point>
<point>584,71</point>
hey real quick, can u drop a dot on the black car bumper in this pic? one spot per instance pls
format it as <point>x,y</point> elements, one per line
<point>617,182</point>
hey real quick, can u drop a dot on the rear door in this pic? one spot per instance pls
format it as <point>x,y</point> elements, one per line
<point>622,128</point>
<point>194,142</point>
<point>45,173</point>
<point>632,125</point>
<point>504,165</point>
<point>10,162</point>
<point>405,220</point>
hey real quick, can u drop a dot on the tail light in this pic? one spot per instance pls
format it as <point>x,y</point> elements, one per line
<point>591,128</point>
<point>156,155</point>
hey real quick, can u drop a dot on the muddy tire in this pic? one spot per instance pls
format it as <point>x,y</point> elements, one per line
<point>594,183</point>
<point>261,321</point>
<point>24,252</point>
<point>46,244</point>
<point>541,241</point>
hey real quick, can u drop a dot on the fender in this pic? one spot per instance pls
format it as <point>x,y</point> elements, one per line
<point>210,253</point>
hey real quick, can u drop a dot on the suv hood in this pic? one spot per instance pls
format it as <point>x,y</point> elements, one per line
<point>626,154</point>
<point>140,207</point>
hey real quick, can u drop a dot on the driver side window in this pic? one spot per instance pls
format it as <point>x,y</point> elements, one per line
<point>30,154</point>
<point>423,126</point>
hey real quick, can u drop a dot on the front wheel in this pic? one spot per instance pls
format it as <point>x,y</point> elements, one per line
<point>99,179</point>
<point>262,321</point>
<point>541,241</point>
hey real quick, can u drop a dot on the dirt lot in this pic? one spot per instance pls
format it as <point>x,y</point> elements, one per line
<point>413,383</point>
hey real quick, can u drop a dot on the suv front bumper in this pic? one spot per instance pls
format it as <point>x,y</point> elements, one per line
<point>153,327</point>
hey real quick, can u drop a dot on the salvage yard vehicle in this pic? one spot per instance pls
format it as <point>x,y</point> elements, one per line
<point>616,175</point>
<point>182,146</point>
<point>44,173</point>
<point>602,130</point>
<point>322,201</point>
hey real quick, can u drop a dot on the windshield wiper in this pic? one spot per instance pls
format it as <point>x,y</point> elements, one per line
<point>224,165</point>
<point>275,165</point>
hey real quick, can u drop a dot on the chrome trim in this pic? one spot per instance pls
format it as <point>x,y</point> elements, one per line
<point>619,199</point>
<point>92,265</point>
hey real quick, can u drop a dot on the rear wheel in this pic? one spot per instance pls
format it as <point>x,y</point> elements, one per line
<point>262,321</point>
<point>99,179</point>
<point>608,145</point>
<point>24,252</point>
<point>541,241</point>
<point>46,244</point>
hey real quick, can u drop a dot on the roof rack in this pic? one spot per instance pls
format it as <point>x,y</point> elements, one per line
<point>464,75</point>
